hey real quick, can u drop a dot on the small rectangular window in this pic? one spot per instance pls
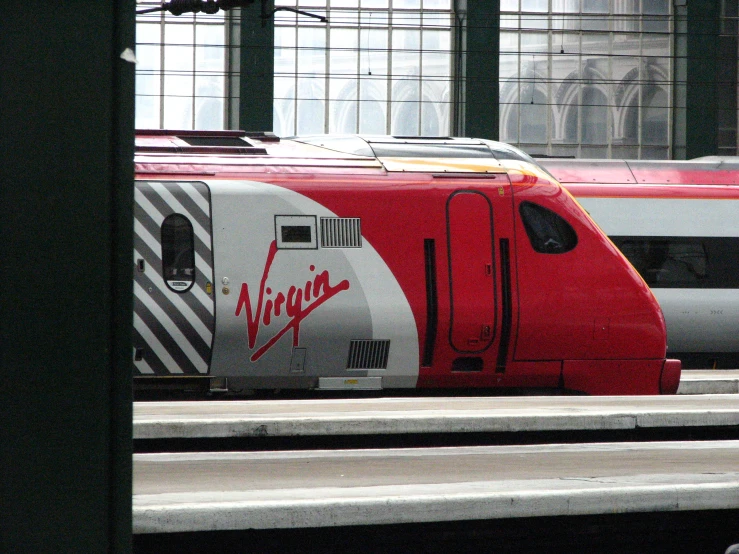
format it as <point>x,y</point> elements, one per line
<point>296,231</point>
<point>215,141</point>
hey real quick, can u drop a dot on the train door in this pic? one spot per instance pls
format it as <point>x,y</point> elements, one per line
<point>479,278</point>
<point>471,278</point>
<point>173,279</point>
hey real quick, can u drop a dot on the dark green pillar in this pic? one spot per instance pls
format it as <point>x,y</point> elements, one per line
<point>257,62</point>
<point>701,70</point>
<point>480,99</point>
<point>66,189</point>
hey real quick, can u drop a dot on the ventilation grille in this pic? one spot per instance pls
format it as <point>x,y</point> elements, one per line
<point>341,232</point>
<point>368,354</point>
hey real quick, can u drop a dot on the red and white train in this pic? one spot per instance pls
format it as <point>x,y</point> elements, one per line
<point>376,263</point>
<point>678,224</point>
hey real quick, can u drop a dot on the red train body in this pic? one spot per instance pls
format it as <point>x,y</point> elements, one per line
<point>677,222</point>
<point>379,262</point>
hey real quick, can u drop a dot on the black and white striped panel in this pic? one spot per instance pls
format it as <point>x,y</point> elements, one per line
<point>173,332</point>
<point>341,232</point>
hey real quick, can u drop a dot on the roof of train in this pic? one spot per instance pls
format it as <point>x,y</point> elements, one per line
<point>711,170</point>
<point>203,152</point>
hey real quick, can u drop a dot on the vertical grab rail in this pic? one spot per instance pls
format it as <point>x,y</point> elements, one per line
<point>432,306</point>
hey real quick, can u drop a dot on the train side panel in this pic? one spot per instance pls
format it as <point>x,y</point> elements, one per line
<point>294,307</point>
<point>446,239</point>
<point>564,335</point>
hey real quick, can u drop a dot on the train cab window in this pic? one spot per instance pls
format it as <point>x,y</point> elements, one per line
<point>548,232</point>
<point>178,253</point>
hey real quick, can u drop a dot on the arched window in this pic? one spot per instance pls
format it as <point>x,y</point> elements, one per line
<point>406,96</point>
<point>343,110</point>
<point>594,120</point>
<point>178,253</point>
<point>311,107</point>
<point>283,109</point>
<point>310,117</point>
<point>372,118</point>
<point>429,120</point>
<point>572,116</point>
<point>654,118</point>
<point>372,108</point>
<point>534,119</point>
<point>630,133</point>
<point>510,128</point>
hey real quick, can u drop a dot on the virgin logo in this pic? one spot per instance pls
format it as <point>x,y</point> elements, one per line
<point>298,302</point>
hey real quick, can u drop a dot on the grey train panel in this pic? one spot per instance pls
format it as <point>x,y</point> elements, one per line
<point>250,217</point>
<point>173,330</point>
<point>268,248</point>
<point>700,320</point>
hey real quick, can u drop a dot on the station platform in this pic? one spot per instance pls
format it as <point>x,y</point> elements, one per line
<point>698,381</point>
<point>464,415</point>
<point>191,492</point>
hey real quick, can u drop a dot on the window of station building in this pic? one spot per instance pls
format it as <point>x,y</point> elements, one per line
<point>594,119</point>
<point>178,253</point>
<point>655,118</point>
<point>548,232</point>
<point>684,262</point>
<point>604,69</point>
<point>181,70</point>
<point>376,67</point>
<point>584,78</point>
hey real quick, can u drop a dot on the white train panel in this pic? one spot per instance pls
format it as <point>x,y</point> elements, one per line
<point>664,217</point>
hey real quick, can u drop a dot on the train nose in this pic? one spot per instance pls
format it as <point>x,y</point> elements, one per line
<point>670,378</point>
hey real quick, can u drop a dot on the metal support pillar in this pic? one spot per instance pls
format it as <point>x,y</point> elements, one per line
<point>481,94</point>
<point>257,67</point>
<point>727,78</point>
<point>701,90</point>
<point>66,195</point>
